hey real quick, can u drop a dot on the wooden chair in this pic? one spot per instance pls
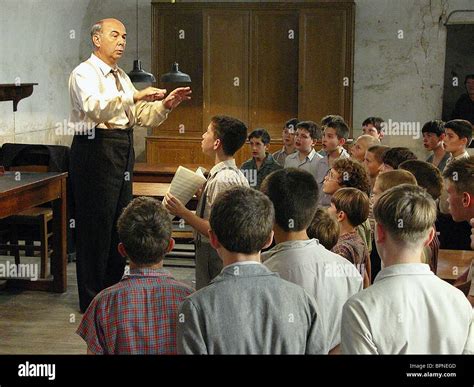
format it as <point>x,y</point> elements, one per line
<point>30,226</point>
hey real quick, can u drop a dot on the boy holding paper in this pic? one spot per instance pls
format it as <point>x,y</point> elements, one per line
<point>223,138</point>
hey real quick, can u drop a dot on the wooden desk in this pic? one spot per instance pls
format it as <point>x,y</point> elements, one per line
<point>160,173</point>
<point>22,190</point>
<point>157,191</point>
<point>452,263</point>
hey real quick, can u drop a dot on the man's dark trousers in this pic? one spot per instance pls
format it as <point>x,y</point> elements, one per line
<point>101,172</point>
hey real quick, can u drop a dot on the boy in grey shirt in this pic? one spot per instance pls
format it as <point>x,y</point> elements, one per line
<point>247,309</point>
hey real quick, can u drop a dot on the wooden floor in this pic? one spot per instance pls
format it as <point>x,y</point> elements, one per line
<point>45,323</point>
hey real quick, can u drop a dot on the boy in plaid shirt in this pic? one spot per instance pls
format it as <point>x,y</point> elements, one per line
<point>138,315</point>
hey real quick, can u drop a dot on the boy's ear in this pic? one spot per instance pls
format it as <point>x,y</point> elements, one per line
<point>121,249</point>
<point>341,216</point>
<point>381,235</point>
<point>170,245</point>
<point>467,199</point>
<point>430,237</point>
<point>269,241</point>
<point>217,143</point>
<point>342,141</point>
<point>213,240</point>
<point>442,136</point>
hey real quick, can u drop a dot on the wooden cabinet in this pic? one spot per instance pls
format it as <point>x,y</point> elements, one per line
<point>263,63</point>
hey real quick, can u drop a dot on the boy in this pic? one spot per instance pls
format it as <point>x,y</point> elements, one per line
<point>247,309</point>
<point>335,135</point>
<point>349,173</point>
<point>324,228</point>
<point>262,163</point>
<point>433,137</point>
<point>307,133</point>
<point>393,157</point>
<point>288,137</point>
<point>224,136</point>
<point>324,275</point>
<point>373,161</point>
<point>361,145</point>
<point>138,315</point>
<point>350,207</point>
<point>408,310</point>
<point>373,126</point>
<point>458,138</point>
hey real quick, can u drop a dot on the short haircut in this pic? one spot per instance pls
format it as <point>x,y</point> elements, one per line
<point>395,156</point>
<point>96,28</point>
<point>342,129</point>
<point>312,128</point>
<point>391,179</point>
<point>231,131</point>
<point>291,124</point>
<point>468,76</point>
<point>144,228</point>
<point>353,174</point>
<point>376,122</point>
<point>324,228</point>
<point>262,134</point>
<point>407,213</point>
<point>354,203</point>
<point>252,216</point>
<point>294,193</point>
<point>378,151</point>
<point>435,127</point>
<point>462,128</point>
<point>427,176</point>
<point>369,140</point>
<point>331,118</point>
<point>461,174</point>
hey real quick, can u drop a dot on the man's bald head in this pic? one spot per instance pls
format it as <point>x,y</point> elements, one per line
<point>109,40</point>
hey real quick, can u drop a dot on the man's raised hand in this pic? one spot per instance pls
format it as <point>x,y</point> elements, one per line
<point>149,94</point>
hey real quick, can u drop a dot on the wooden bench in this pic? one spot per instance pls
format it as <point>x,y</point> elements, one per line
<point>452,263</point>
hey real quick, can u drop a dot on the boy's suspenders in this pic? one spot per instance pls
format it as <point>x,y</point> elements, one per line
<point>201,209</point>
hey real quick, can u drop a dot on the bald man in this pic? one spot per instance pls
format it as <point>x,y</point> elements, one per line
<point>105,108</point>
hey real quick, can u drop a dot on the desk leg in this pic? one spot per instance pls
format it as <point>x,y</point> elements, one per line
<point>59,259</point>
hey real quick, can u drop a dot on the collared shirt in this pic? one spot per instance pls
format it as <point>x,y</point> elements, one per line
<point>255,175</point>
<point>96,101</point>
<point>353,248</point>
<point>280,156</point>
<point>309,163</point>
<point>138,315</point>
<point>247,309</point>
<point>442,163</point>
<point>464,155</point>
<point>408,310</point>
<point>326,276</point>
<point>222,177</point>
<point>321,172</point>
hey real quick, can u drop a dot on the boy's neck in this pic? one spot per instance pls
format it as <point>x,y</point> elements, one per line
<point>289,149</point>
<point>335,153</point>
<point>439,151</point>
<point>284,236</point>
<point>229,258</point>
<point>458,152</point>
<point>154,266</point>
<point>397,256</point>
<point>303,154</point>
<point>220,157</point>
<point>345,228</point>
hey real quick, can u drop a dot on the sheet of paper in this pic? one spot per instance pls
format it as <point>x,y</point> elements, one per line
<point>185,183</point>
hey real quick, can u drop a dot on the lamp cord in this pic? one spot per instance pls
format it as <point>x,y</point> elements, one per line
<point>137,29</point>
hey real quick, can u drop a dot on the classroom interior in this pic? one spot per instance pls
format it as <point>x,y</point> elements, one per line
<point>263,62</point>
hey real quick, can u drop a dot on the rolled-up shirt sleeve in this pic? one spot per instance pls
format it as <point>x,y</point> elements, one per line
<point>150,113</point>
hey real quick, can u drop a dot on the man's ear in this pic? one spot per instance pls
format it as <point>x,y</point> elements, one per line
<point>213,240</point>
<point>121,249</point>
<point>269,241</point>
<point>96,41</point>
<point>170,245</point>
<point>467,199</point>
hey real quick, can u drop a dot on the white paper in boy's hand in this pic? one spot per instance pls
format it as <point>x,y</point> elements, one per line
<point>185,183</point>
